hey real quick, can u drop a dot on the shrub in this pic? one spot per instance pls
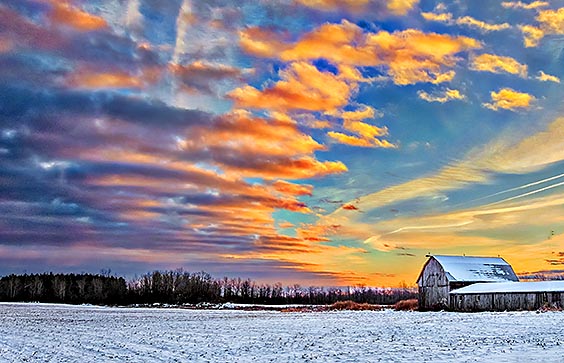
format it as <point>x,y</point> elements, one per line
<point>410,304</point>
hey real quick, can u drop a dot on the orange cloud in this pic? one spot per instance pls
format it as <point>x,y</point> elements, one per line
<point>550,22</point>
<point>260,42</point>
<point>316,232</point>
<point>498,64</point>
<point>68,15</point>
<point>522,5</point>
<point>395,7</point>
<point>330,5</point>
<point>292,189</point>
<point>442,97</point>
<point>440,17</point>
<point>359,141</point>
<point>410,56</point>
<point>531,35</point>
<point>252,136</point>
<point>302,87</point>
<point>290,168</point>
<point>547,77</point>
<point>89,80</point>
<point>256,147</point>
<point>285,224</point>
<point>401,7</point>
<point>365,130</point>
<point>509,99</point>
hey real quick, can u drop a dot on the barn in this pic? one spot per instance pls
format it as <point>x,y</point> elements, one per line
<point>442,274</point>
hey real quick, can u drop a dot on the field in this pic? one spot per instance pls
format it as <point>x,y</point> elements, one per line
<point>62,333</point>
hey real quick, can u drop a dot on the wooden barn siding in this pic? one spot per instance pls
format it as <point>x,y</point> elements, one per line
<point>505,301</point>
<point>433,287</point>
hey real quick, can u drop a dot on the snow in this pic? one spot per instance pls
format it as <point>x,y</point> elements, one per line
<point>62,333</point>
<point>502,287</point>
<point>470,268</point>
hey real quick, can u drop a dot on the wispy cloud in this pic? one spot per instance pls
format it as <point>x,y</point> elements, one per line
<point>441,97</point>
<point>469,21</point>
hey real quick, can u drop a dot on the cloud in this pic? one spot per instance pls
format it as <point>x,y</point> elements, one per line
<point>363,129</point>
<point>532,153</point>
<point>332,5</point>
<point>302,87</point>
<point>292,189</point>
<point>83,79</point>
<point>498,64</point>
<point>442,97</point>
<point>401,7</point>
<point>394,7</point>
<point>133,16</point>
<point>532,35</point>
<point>183,22</point>
<point>549,22</point>
<point>408,56</point>
<point>509,99</point>
<point>439,17</point>
<point>522,5</point>
<point>371,142</point>
<point>199,76</point>
<point>65,14</point>
<point>469,21</point>
<point>364,112</point>
<point>285,224</point>
<point>547,77</point>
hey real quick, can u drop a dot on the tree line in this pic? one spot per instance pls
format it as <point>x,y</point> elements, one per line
<point>181,287</point>
<point>64,288</point>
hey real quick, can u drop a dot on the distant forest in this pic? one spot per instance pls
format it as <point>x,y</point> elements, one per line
<point>180,287</point>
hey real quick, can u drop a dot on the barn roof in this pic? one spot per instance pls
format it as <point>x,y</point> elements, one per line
<point>478,269</point>
<point>512,287</point>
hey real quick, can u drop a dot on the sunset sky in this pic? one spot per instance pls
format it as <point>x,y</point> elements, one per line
<point>319,142</point>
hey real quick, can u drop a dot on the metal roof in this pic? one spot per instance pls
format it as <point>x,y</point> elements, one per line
<point>478,269</point>
<point>511,287</point>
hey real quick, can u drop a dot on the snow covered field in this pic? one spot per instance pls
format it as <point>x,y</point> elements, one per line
<point>61,333</point>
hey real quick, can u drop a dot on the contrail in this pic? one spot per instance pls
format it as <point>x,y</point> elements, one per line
<point>516,188</point>
<point>527,194</point>
<point>182,26</point>
<point>435,226</point>
<point>133,17</point>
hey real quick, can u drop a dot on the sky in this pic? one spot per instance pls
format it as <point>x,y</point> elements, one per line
<point>318,142</point>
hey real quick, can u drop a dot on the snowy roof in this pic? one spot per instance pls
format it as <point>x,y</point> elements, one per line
<point>503,287</point>
<point>480,269</point>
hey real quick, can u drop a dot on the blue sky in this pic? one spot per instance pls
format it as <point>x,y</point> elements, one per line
<point>313,141</point>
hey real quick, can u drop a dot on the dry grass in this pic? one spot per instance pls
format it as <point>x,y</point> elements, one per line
<point>411,305</point>
<point>339,305</point>
<point>351,305</point>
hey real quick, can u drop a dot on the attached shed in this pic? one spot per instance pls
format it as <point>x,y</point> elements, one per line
<point>508,296</point>
<point>442,274</point>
